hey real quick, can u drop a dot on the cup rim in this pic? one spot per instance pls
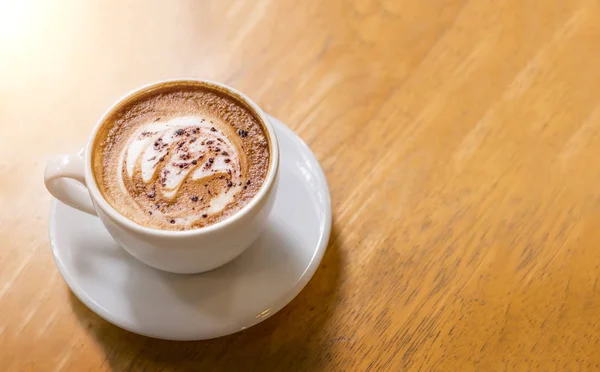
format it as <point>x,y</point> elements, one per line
<point>264,190</point>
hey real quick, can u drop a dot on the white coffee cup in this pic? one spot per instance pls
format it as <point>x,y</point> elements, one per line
<point>188,251</point>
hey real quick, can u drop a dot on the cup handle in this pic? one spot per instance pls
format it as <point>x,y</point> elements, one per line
<point>56,177</point>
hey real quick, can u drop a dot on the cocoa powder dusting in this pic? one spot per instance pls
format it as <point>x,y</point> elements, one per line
<point>225,113</point>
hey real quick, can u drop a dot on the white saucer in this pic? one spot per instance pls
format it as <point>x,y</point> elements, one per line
<point>234,297</point>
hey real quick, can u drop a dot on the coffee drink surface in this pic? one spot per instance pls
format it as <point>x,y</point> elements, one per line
<point>180,156</point>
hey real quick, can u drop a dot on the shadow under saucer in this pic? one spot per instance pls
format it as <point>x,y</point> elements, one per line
<point>295,338</point>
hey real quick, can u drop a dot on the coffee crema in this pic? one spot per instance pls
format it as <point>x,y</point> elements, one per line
<point>180,156</point>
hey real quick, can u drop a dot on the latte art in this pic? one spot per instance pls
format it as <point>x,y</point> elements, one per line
<point>182,159</point>
<point>165,154</point>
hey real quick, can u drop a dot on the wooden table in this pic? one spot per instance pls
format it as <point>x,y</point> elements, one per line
<point>461,141</point>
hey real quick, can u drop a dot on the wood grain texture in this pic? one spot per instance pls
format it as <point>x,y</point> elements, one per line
<point>460,139</point>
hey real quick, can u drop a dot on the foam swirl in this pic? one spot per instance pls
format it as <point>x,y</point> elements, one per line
<point>160,157</point>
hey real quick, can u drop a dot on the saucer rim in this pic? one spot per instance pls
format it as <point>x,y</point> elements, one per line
<point>241,325</point>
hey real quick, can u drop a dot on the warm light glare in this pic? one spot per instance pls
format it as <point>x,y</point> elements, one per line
<point>21,25</point>
<point>14,16</point>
